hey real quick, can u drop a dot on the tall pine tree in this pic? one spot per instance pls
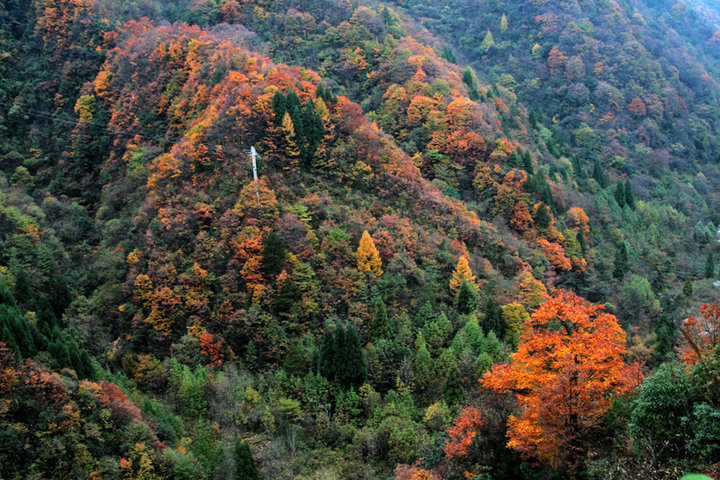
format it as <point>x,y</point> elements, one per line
<point>492,319</point>
<point>542,217</point>
<point>341,357</point>
<point>620,194</point>
<point>710,265</point>
<point>423,366</point>
<point>470,81</point>
<point>622,256</point>
<point>279,106</point>
<point>629,197</point>
<point>328,356</point>
<point>273,254</point>
<point>453,391</point>
<point>466,298</point>
<point>380,328</point>
<point>355,369</point>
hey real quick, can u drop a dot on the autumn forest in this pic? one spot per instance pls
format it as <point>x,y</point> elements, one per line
<point>335,239</point>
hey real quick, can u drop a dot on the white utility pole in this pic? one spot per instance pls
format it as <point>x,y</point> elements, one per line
<point>255,155</point>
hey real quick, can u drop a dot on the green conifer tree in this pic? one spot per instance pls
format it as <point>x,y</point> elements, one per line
<point>6,297</point>
<point>87,365</point>
<point>547,197</point>
<point>448,54</point>
<point>296,359</point>
<point>666,333</point>
<point>688,289</point>
<point>279,106</point>
<point>466,298</point>
<point>476,337</point>
<point>292,102</point>
<point>21,333</point>
<point>61,297</point>
<point>8,338</point>
<point>328,356</point>
<point>492,319</point>
<point>24,294</point>
<point>59,350</point>
<point>620,194</point>
<point>312,131</point>
<point>527,162</point>
<point>582,242</point>
<point>542,217</point>
<point>380,327</point>
<point>470,81</point>
<point>424,315</point>
<point>75,361</point>
<point>622,256</point>
<point>710,265</point>
<point>423,367</point>
<point>273,254</point>
<point>629,197</point>
<point>45,313</point>
<point>600,176</point>
<point>245,467</point>
<point>355,369</point>
<point>341,357</point>
<point>453,391</point>
<point>487,43</point>
<point>437,333</point>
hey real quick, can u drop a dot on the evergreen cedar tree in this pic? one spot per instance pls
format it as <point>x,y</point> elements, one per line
<point>244,461</point>
<point>341,356</point>
<point>710,266</point>
<point>380,328</point>
<point>368,257</point>
<point>453,391</point>
<point>466,298</point>
<point>567,370</point>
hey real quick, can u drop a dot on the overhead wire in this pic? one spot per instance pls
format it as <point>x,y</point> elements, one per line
<point>132,132</point>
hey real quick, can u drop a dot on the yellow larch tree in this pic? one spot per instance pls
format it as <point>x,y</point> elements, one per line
<point>461,274</point>
<point>293,151</point>
<point>368,257</point>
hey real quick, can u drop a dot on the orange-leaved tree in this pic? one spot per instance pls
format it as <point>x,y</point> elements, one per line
<point>368,257</point>
<point>568,369</point>
<point>463,432</point>
<point>701,335</point>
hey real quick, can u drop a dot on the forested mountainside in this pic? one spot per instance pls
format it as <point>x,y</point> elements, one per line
<point>481,243</point>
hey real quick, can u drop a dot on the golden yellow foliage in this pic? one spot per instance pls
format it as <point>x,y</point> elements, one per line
<point>368,257</point>
<point>462,273</point>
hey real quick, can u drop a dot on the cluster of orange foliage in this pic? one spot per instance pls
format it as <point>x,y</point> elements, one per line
<point>637,107</point>
<point>701,335</point>
<point>407,472</point>
<point>568,369</point>
<point>112,397</point>
<point>463,432</point>
<point>62,394</point>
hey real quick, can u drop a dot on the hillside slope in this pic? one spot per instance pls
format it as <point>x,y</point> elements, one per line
<point>165,315</point>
